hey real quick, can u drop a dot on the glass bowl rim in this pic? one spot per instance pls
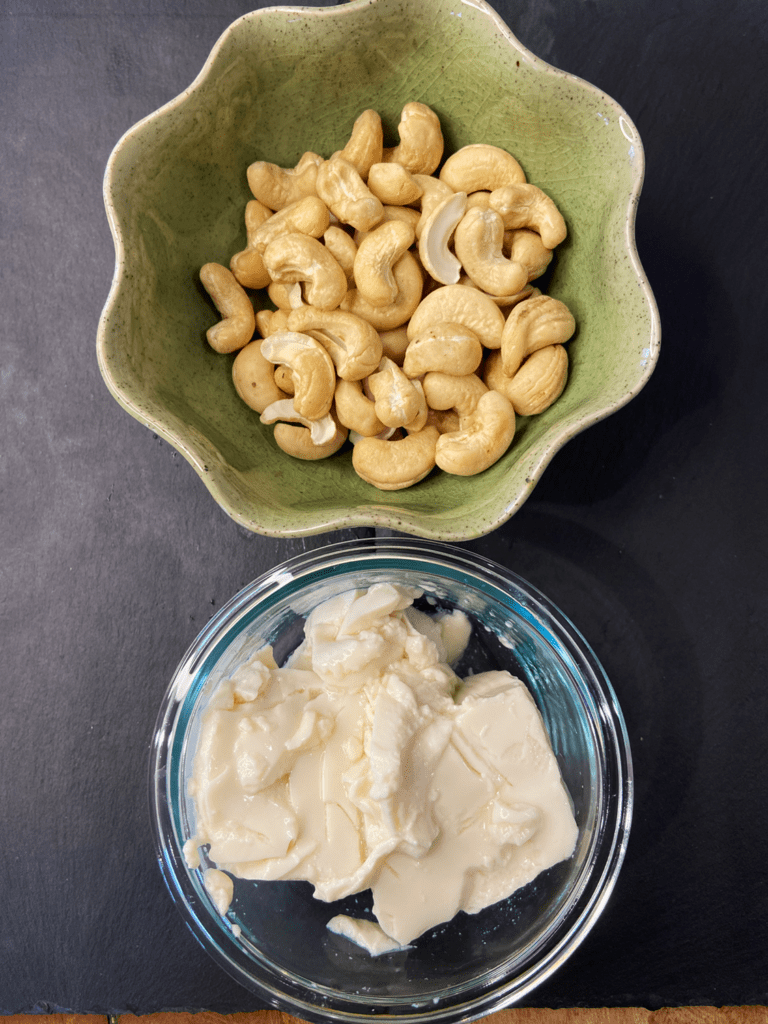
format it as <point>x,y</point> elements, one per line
<point>608,847</point>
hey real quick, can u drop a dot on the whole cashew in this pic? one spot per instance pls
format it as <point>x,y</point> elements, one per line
<point>346,195</point>
<point>479,241</point>
<point>435,236</point>
<point>366,143</point>
<point>526,206</point>
<point>410,283</point>
<point>394,465</point>
<point>393,184</point>
<point>480,168</point>
<point>352,343</point>
<point>277,187</point>
<point>295,257</point>
<point>450,348</point>
<point>483,437</point>
<point>533,324</point>
<point>539,381</point>
<point>238,322</point>
<point>397,401</point>
<point>376,256</point>
<point>314,377</point>
<point>355,410</point>
<point>253,377</point>
<point>308,216</point>
<point>460,304</point>
<point>343,249</point>
<point>447,391</point>
<point>525,246</point>
<point>297,441</point>
<point>248,265</point>
<point>421,140</point>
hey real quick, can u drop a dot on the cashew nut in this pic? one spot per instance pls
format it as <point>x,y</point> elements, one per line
<point>534,324</point>
<point>314,377</point>
<point>297,441</point>
<point>483,437</point>
<point>526,206</point>
<point>238,322</point>
<point>342,247</point>
<point>410,283</point>
<point>450,348</point>
<point>283,378</point>
<point>248,265</point>
<point>421,140</point>
<point>460,304</point>
<point>539,381</point>
<point>293,258</point>
<point>271,321</point>
<point>526,247</point>
<point>365,144</point>
<point>346,195</point>
<point>480,168</point>
<point>394,465</point>
<point>376,255</point>
<point>394,343</point>
<point>277,187</point>
<point>355,410</point>
<point>393,184</point>
<point>401,213</point>
<point>478,243</point>
<point>505,302</point>
<point>447,391</point>
<point>352,343</point>
<point>308,216</point>
<point>321,430</point>
<point>397,401</point>
<point>436,233</point>
<point>253,377</point>
<point>433,193</point>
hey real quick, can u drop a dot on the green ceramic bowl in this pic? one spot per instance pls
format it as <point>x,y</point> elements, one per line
<point>175,189</point>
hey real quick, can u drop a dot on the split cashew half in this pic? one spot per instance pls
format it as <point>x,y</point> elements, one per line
<point>436,232</point>
<point>238,323</point>
<point>314,377</point>
<point>395,465</point>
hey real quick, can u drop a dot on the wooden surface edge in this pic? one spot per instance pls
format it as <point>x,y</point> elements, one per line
<point>517,1015</point>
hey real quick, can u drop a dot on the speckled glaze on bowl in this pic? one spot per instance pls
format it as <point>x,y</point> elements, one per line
<point>175,190</point>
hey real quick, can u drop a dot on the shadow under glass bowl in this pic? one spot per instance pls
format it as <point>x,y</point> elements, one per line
<point>175,190</point>
<point>273,939</point>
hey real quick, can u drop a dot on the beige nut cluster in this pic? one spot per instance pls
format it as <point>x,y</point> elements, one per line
<point>405,318</point>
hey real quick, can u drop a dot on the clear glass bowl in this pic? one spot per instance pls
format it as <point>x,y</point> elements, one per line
<point>273,940</point>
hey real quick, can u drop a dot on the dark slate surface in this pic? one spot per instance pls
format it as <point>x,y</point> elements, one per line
<point>649,529</point>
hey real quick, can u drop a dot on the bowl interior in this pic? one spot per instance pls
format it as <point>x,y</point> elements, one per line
<point>176,190</point>
<point>283,943</point>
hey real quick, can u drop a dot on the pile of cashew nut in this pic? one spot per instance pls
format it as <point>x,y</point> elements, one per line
<point>405,319</point>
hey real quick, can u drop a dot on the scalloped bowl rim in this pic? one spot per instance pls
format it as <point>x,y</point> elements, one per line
<point>375,515</point>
